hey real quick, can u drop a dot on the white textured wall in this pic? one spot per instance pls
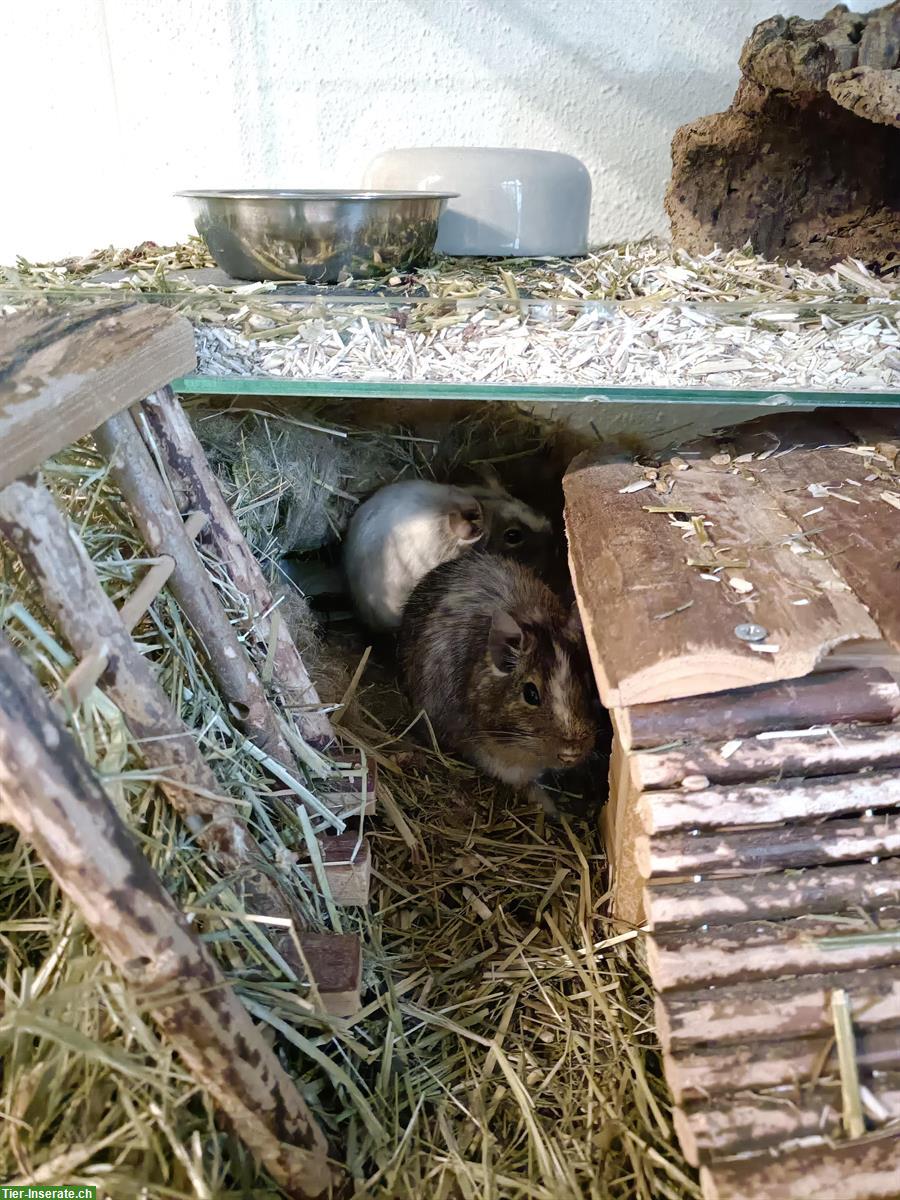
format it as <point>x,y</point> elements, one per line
<point>111,105</point>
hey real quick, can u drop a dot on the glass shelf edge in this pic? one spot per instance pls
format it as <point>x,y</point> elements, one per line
<point>224,385</point>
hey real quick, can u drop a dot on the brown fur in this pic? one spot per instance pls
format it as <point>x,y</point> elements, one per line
<point>469,677</point>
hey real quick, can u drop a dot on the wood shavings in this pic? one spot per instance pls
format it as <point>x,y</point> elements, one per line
<point>635,315</point>
<point>636,486</point>
<point>731,747</point>
<point>763,647</point>
<point>892,498</point>
<point>672,611</point>
<point>741,585</point>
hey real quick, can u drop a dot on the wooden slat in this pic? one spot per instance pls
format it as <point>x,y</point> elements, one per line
<point>861,539</point>
<point>758,950</point>
<point>348,867</point>
<point>828,698</point>
<point>676,855</point>
<point>704,1071</point>
<point>837,889</point>
<point>837,750</point>
<point>730,1125</point>
<point>767,803</point>
<point>629,569</point>
<point>335,963</point>
<point>65,370</point>
<point>862,1170</point>
<point>785,1008</point>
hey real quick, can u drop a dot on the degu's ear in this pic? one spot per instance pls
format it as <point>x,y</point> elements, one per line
<point>573,624</point>
<point>488,473</point>
<point>504,641</point>
<point>466,523</point>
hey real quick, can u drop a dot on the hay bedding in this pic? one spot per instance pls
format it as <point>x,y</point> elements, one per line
<point>506,1046</point>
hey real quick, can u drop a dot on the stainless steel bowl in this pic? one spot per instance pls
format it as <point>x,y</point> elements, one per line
<point>317,236</point>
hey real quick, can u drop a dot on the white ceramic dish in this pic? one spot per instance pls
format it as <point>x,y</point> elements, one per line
<point>522,203</point>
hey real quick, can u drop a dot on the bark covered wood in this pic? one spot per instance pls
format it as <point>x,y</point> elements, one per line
<point>55,557</point>
<point>838,750</point>
<point>66,368</point>
<point>196,487</point>
<point>719,808</point>
<point>804,163</point>
<point>783,894</point>
<point>655,630</point>
<point>735,1124</point>
<point>783,1008</point>
<point>745,851</point>
<point>863,1170</point>
<point>161,526</point>
<point>759,950</point>
<point>704,1071</point>
<point>49,794</point>
<point>828,698</point>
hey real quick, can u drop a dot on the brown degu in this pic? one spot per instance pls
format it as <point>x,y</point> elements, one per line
<point>398,535</point>
<point>498,664</point>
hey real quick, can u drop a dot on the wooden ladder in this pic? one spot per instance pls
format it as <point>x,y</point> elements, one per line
<point>103,368</point>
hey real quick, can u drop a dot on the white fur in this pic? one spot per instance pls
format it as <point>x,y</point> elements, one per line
<point>395,538</point>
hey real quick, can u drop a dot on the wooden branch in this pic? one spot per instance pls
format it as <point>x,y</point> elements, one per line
<point>736,1124</point>
<point>704,1071</point>
<point>49,794</point>
<point>785,1008</point>
<point>767,803</point>
<point>773,897</point>
<point>196,487</point>
<point>863,1170</point>
<point>162,529</point>
<point>65,369</point>
<point>740,953</point>
<point>54,556</point>
<point>679,854</point>
<point>845,749</point>
<point>828,698</point>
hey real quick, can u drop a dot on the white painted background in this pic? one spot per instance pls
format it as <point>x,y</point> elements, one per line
<point>111,105</point>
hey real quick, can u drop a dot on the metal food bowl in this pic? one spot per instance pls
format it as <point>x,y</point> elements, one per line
<point>317,236</point>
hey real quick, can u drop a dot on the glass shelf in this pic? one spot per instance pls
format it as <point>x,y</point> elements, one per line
<point>272,385</point>
<point>299,305</point>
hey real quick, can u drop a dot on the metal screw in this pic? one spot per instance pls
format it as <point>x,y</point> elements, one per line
<point>751,633</point>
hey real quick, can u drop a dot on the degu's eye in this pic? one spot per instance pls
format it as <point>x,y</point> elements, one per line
<point>512,536</point>
<point>531,695</point>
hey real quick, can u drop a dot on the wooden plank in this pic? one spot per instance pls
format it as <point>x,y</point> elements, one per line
<point>785,1008</point>
<point>335,964</point>
<point>760,949</point>
<point>730,1125</point>
<point>65,369</point>
<point>742,852</point>
<point>836,750</point>
<point>348,868</point>
<point>767,803</point>
<point>704,1071</point>
<point>630,569</point>
<point>861,539</point>
<point>828,698</point>
<point>864,1170</point>
<point>621,829</point>
<point>783,894</point>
